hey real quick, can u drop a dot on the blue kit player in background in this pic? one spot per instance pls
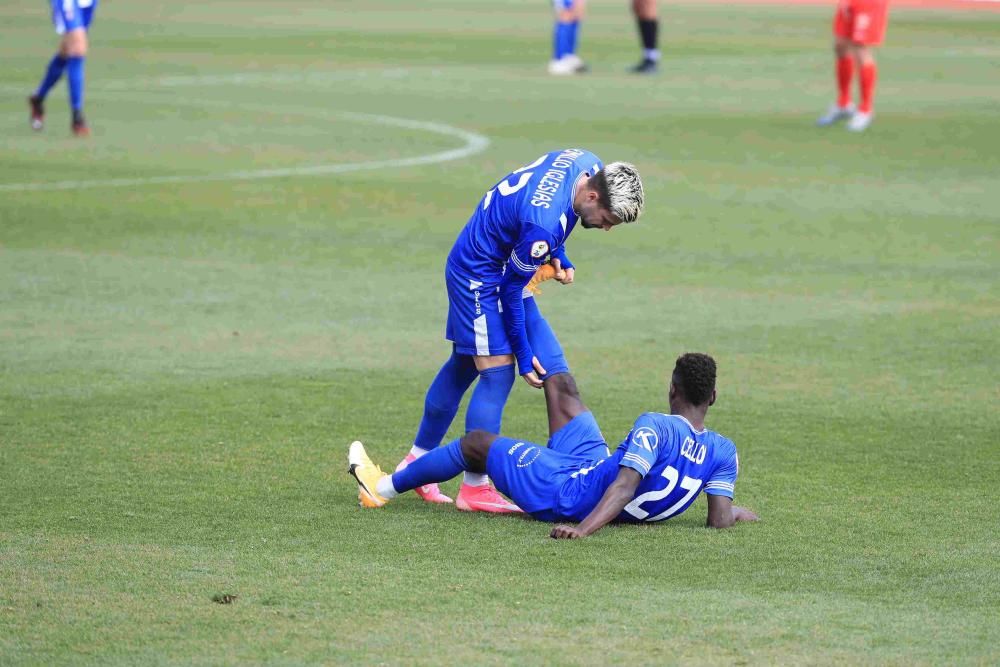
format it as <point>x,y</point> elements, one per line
<point>72,20</point>
<point>519,225</point>
<point>654,474</point>
<point>566,37</point>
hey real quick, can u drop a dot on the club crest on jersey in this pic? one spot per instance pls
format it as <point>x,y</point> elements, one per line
<point>646,438</point>
<point>539,249</point>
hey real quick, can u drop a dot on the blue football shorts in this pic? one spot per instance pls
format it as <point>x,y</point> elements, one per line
<point>72,14</point>
<point>533,476</point>
<point>475,321</point>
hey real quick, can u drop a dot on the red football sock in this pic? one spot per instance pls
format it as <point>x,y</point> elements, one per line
<point>845,71</point>
<point>868,75</point>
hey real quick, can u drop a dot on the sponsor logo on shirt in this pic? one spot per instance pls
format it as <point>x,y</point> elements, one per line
<point>645,438</point>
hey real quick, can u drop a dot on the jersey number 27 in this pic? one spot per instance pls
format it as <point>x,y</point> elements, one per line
<point>689,484</point>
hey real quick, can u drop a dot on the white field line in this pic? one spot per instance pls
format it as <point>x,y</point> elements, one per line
<point>472,143</point>
<point>241,78</point>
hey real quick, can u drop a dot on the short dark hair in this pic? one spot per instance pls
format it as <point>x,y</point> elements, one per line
<point>694,376</point>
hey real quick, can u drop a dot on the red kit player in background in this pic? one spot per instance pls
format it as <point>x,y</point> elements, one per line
<point>858,26</point>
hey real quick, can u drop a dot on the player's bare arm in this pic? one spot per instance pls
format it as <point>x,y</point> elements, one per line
<point>723,514</point>
<point>618,495</point>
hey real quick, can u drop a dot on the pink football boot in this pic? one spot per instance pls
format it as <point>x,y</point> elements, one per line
<point>429,492</point>
<point>484,499</point>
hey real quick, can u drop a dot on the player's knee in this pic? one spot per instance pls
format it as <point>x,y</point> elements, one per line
<point>433,410</point>
<point>484,363</point>
<point>644,9</point>
<point>863,54</point>
<point>563,386</point>
<point>475,448</point>
<point>74,44</point>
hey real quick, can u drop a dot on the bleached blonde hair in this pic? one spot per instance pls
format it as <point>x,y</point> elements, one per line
<point>620,189</point>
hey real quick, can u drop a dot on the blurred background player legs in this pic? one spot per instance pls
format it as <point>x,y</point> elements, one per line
<point>858,26</point>
<point>648,25</point>
<point>71,19</point>
<point>565,37</point>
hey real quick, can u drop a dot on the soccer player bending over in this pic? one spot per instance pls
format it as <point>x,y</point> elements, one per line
<point>654,474</point>
<point>71,19</point>
<point>520,225</point>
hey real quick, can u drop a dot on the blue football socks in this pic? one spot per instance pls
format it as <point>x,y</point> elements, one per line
<point>543,340</point>
<point>572,37</point>
<point>443,397</point>
<point>74,72</point>
<point>562,40</point>
<point>488,398</point>
<point>437,466</point>
<point>52,75</point>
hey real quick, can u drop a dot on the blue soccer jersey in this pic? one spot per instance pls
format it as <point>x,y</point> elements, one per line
<point>676,462</point>
<point>566,480</point>
<point>521,223</point>
<point>72,14</point>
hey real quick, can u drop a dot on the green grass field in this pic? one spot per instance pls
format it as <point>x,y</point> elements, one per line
<point>186,352</point>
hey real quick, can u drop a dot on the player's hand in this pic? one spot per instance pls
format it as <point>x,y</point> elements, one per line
<point>743,514</point>
<point>563,532</point>
<point>531,377</point>
<point>564,276</point>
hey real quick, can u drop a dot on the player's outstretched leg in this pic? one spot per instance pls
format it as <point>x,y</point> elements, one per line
<point>366,474</point>
<point>562,401</point>
<point>375,488</point>
<point>543,340</point>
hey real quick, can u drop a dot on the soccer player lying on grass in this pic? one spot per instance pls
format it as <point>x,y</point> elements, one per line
<point>654,474</point>
<point>519,225</point>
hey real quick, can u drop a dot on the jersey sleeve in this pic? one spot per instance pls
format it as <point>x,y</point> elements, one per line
<point>533,249</point>
<point>511,299</point>
<point>642,445</point>
<point>723,480</point>
<point>560,254</point>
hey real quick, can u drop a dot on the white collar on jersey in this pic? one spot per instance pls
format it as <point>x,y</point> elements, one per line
<point>684,419</point>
